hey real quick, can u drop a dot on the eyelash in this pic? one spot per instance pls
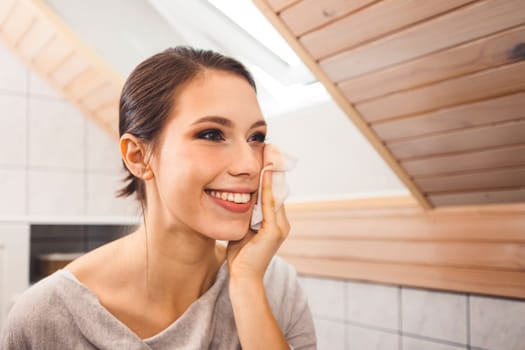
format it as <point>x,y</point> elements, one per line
<point>261,137</point>
<point>216,135</point>
<point>211,135</point>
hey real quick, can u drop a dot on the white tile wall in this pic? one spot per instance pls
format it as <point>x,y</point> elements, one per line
<point>12,192</point>
<point>56,193</point>
<point>102,152</point>
<point>38,87</point>
<point>427,320</point>
<point>325,297</point>
<point>13,123</point>
<point>330,335</point>
<point>54,161</point>
<point>370,339</point>
<point>497,323</point>
<point>434,314</point>
<point>56,132</point>
<point>419,344</point>
<point>374,305</point>
<point>13,73</point>
<point>101,196</point>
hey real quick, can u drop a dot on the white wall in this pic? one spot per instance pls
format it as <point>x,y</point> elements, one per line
<point>14,264</point>
<point>334,159</point>
<point>358,315</point>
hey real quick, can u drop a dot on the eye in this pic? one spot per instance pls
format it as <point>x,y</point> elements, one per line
<point>257,137</point>
<point>211,135</point>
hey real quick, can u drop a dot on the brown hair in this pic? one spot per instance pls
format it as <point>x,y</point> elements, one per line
<point>148,96</point>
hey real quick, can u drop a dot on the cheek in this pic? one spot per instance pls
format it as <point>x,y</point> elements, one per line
<point>191,170</point>
<point>205,164</point>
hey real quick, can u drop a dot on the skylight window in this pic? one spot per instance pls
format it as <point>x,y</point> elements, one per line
<point>245,14</point>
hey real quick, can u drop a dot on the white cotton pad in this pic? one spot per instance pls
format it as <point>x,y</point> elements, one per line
<point>279,163</point>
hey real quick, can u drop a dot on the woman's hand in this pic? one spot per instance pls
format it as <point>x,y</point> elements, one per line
<point>247,262</point>
<point>249,257</point>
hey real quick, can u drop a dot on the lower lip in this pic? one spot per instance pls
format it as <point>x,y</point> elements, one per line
<point>231,206</point>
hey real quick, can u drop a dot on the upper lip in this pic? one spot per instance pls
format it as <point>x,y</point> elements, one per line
<point>233,190</point>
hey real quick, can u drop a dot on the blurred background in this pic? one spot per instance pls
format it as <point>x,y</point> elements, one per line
<point>408,201</point>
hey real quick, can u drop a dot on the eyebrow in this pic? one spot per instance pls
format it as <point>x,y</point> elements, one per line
<point>225,122</point>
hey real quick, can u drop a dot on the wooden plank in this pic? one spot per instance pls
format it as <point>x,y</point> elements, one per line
<point>53,54</point>
<point>6,7</point>
<point>35,39</point>
<point>473,249</point>
<point>45,12</point>
<point>479,281</point>
<point>85,82</point>
<point>486,137</point>
<point>469,115</point>
<point>17,23</point>
<point>98,98</point>
<point>343,103</point>
<point>69,69</point>
<point>480,160</point>
<point>371,23</point>
<point>307,15</point>
<point>485,197</point>
<point>484,53</point>
<point>482,85</point>
<point>278,5</point>
<point>465,24</point>
<point>391,202</point>
<point>486,180</point>
<point>508,256</point>
<point>109,115</point>
<point>397,225</point>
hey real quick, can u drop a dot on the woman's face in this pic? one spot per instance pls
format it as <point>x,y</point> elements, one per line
<point>209,157</point>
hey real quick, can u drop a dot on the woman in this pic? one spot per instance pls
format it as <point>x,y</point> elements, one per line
<point>192,140</point>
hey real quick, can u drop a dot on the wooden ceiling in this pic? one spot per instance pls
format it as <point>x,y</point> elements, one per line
<point>437,87</point>
<point>40,38</point>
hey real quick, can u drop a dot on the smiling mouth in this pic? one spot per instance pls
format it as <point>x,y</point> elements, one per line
<point>233,197</point>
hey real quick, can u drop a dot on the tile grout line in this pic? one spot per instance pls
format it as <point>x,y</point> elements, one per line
<point>84,165</point>
<point>393,331</point>
<point>356,324</point>
<point>435,340</point>
<point>28,136</point>
<point>399,318</point>
<point>346,315</point>
<point>468,322</point>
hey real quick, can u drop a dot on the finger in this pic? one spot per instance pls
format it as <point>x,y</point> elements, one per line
<point>268,202</point>
<point>282,222</point>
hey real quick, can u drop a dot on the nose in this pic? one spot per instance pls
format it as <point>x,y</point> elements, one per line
<point>246,160</point>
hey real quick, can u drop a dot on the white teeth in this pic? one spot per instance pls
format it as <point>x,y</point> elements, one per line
<point>237,198</point>
<point>231,197</point>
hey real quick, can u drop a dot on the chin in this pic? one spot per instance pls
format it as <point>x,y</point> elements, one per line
<point>229,232</point>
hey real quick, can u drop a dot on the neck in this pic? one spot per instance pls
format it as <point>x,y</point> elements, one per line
<point>179,265</point>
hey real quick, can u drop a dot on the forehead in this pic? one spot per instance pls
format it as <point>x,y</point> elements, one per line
<point>217,93</point>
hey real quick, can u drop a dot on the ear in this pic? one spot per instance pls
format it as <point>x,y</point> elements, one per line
<point>135,155</point>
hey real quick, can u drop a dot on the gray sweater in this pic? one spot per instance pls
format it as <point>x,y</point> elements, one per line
<point>61,313</point>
